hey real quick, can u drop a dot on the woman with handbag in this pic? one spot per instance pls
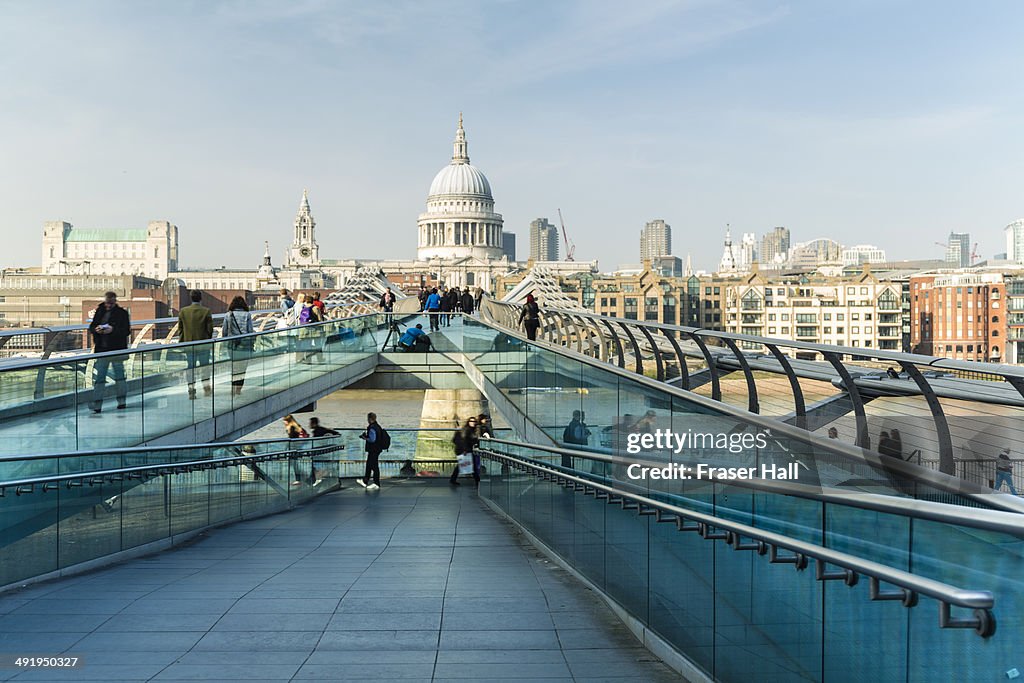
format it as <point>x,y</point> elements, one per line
<point>238,322</point>
<point>466,441</point>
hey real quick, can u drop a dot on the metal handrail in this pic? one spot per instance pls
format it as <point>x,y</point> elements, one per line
<point>216,444</point>
<point>931,477</point>
<point>911,364</point>
<point>739,537</point>
<point>977,518</point>
<point>149,348</point>
<point>167,467</point>
<point>80,327</point>
<point>864,352</point>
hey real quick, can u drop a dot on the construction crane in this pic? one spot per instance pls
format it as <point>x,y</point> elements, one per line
<point>974,256</point>
<point>570,247</point>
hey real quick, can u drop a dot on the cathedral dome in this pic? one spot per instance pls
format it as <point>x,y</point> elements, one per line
<point>461,179</point>
<point>460,221</point>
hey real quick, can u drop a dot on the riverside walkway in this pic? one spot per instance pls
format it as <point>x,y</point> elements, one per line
<point>419,582</point>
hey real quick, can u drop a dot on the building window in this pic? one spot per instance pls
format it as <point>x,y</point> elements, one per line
<point>995,318</point>
<point>995,333</point>
<point>785,316</point>
<point>840,330</point>
<point>771,330</point>
<point>840,316</point>
<point>785,330</point>
<point>630,311</point>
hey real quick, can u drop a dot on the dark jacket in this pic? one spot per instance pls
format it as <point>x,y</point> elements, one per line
<point>375,445</point>
<point>465,440</point>
<point>320,430</point>
<point>530,313</point>
<point>118,319</point>
<point>575,432</point>
<point>467,302</point>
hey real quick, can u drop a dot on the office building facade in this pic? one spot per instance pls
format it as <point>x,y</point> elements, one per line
<point>655,240</point>
<point>543,240</point>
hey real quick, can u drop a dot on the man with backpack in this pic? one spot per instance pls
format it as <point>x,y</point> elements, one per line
<point>377,441</point>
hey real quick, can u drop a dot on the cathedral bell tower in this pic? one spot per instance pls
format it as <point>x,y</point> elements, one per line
<point>304,251</point>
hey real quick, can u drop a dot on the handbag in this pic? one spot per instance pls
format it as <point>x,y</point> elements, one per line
<point>465,463</point>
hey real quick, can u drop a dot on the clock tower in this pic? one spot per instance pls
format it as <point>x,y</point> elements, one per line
<point>304,251</point>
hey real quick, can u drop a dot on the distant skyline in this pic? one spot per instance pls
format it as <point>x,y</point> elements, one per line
<point>888,123</point>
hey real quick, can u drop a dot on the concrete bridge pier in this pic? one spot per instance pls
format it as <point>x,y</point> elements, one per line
<point>446,409</point>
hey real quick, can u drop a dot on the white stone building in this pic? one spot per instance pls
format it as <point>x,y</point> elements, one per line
<point>304,251</point>
<point>1015,241</point>
<point>147,252</point>
<point>727,264</point>
<point>862,253</point>
<point>460,221</point>
<point>862,311</point>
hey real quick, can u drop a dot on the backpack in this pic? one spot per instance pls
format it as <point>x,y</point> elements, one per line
<point>384,438</point>
<point>306,315</point>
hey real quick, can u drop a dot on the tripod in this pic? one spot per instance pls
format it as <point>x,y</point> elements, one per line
<point>393,334</point>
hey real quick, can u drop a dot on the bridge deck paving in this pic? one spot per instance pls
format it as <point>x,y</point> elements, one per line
<point>415,582</point>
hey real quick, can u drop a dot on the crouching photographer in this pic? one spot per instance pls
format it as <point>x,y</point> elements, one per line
<point>415,339</point>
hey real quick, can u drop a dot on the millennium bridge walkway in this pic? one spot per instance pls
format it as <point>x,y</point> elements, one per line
<point>158,542</point>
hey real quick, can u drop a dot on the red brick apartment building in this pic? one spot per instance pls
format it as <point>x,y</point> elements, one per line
<point>959,315</point>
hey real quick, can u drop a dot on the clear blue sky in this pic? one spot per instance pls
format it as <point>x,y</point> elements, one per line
<point>882,122</point>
